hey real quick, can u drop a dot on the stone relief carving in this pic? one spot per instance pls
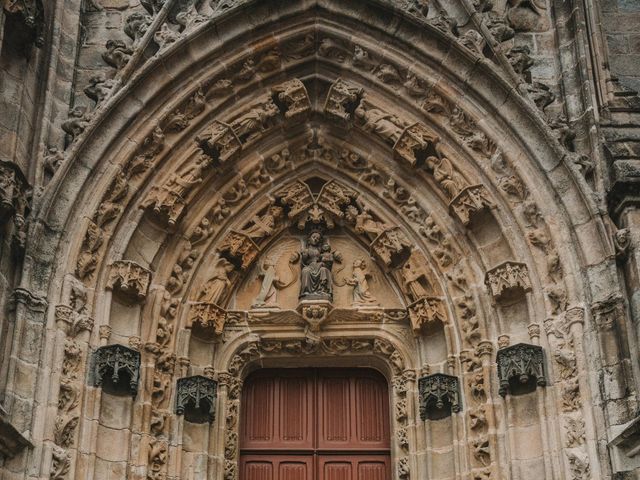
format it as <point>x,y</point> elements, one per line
<point>508,279</point>
<point>426,311</point>
<point>520,362</point>
<point>114,361</point>
<point>129,279</point>
<point>218,285</point>
<point>438,393</point>
<point>196,398</point>
<point>362,296</point>
<point>316,259</point>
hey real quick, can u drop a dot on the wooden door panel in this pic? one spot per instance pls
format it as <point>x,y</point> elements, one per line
<point>354,467</point>
<point>335,412</point>
<point>296,404</point>
<point>276,467</point>
<point>259,415</point>
<point>371,412</point>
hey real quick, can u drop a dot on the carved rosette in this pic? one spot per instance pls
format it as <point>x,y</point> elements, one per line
<point>207,318</point>
<point>219,141</point>
<point>416,143</point>
<point>293,96</point>
<point>196,398</point>
<point>114,362</point>
<point>342,100</point>
<point>520,363</point>
<point>239,249</point>
<point>509,280</point>
<point>392,247</point>
<point>129,279</point>
<point>439,396</point>
<point>425,311</point>
<point>470,201</point>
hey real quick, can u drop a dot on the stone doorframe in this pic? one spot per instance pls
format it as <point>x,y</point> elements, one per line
<point>253,352</point>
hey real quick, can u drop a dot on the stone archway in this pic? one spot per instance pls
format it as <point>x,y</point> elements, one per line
<point>406,155</point>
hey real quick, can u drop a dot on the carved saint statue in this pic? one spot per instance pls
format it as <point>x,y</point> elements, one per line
<point>271,283</point>
<point>317,260</point>
<point>361,294</point>
<point>217,286</point>
<point>446,175</point>
<point>387,126</point>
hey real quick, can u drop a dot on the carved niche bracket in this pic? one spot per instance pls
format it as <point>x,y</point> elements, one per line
<point>196,399</point>
<point>206,320</point>
<point>439,396</point>
<point>426,311</point>
<point>129,280</point>
<point>520,368</point>
<point>117,369</point>
<point>469,202</point>
<point>508,281</point>
<point>239,249</point>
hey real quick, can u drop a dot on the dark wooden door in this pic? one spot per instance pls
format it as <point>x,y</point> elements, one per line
<point>315,424</point>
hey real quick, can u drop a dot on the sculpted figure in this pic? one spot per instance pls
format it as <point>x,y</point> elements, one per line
<point>364,222</point>
<point>361,294</point>
<point>447,176</point>
<point>271,283</point>
<point>387,126</point>
<point>252,123</point>
<point>215,288</point>
<point>315,275</point>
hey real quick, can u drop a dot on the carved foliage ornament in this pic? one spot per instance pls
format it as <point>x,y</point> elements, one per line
<point>118,363</point>
<point>438,393</point>
<point>520,363</point>
<point>196,398</point>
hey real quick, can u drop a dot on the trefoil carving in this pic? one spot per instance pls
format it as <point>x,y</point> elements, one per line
<point>196,399</point>
<point>520,367</point>
<point>117,369</point>
<point>439,396</point>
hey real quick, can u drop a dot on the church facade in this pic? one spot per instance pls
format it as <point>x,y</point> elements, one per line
<point>319,239</point>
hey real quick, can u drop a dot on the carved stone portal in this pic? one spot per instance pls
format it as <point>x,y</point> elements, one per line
<point>508,281</point>
<point>426,311</point>
<point>439,396</point>
<point>117,369</point>
<point>129,280</point>
<point>196,399</point>
<point>518,366</point>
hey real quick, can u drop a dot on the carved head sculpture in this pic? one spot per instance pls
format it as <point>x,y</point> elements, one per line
<point>315,238</point>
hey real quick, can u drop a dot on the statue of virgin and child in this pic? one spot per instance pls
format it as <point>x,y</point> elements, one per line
<point>317,259</point>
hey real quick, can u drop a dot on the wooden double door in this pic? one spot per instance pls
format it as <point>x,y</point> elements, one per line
<point>315,424</point>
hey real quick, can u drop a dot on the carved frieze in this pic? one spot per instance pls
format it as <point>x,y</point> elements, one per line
<point>426,311</point>
<point>207,318</point>
<point>519,365</point>
<point>239,248</point>
<point>117,367</point>
<point>439,396</point>
<point>416,143</point>
<point>129,279</point>
<point>509,280</point>
<point>196,399</point>
<point>342,100</point>
<point>392,247</point>
<point>219,141</point>
<point>470,201</point>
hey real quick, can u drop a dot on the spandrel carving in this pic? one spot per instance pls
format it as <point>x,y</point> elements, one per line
<point>520,368</point>
<point>116,369</point>
<point>196,399</point>
<point>439,396</point>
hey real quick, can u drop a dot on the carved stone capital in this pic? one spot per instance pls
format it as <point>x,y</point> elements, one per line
<point>117,367</point>
<point>469,202</point>
<point>206,319</point>
<point>239,249</point>
<point>484,349</point>
<point>104,332</point>
<point>219,141</point>
<point>439,396</point>
<point>425,311</point>
<point>129,280</point>
<point>64,317</point>
<point>574,315</point>
<point>196,399</point>
<point>342,100</point>
<point>416,143</point>
<point>518,365</point>
<point>508,281</point>
<point>392,247</point>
